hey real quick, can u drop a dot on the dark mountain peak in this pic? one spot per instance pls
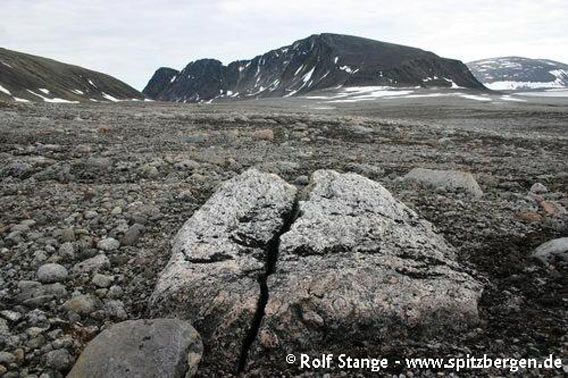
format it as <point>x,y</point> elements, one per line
<point>163,77</point>
<point>317,62</point>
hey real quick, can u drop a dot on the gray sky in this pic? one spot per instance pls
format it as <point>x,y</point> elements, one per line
<point>129,39</point>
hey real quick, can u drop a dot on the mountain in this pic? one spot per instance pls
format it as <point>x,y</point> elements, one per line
<point>25,78</point>
<point>317,62</point>
<point>512,73</point>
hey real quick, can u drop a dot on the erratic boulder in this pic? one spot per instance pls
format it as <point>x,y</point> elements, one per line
<point>218,257</point>
<point>168,348</point>
<point>355,265</point>
<point>446,180</point>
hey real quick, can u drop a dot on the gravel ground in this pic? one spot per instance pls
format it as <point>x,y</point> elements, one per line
<point>91,196</point>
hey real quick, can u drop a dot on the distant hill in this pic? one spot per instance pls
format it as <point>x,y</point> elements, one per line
<point>317,62</point>
<point>513,73</point>
<point>25,77</point>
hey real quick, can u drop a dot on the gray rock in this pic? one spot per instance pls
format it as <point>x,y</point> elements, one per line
<point>94,264</point>
<point>82,304</point>
<point>115,309</point>
<point>359,265</point>
<point>142,348</point>
<point>102,280</point>
<point>217,258</point>
<point>108,244</point>
<point>68,235</point>
<point>10,315</point>
<point>7,358</point>
<point>446,180</point>
<point>552,250</point>
<point>33,293</point>
<point>302,180</point>
<point>132,235</point>
<point>189,165</point>
<point>59,359</point>
<point>539,188</point>
<point>4,329</point>
<point>67,251</point>
<point>371,171</point>
<point>50,273</point>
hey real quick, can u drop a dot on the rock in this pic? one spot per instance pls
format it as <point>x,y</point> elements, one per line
<point>539,188</point>
<point>302,180</point>
<point>108,244</point>
<point>67,251</point>
<point>150,171</point>
<point>68,235</point>
<point>217,258</point>
<point>7,358</point>
<point>264,134</point>
<point>529,216</point>
<point>359,265</point>
<point>552,209</point>
<point>82,304</point>
<point>115,309</point>
<point>4,329</point>
<point>189,165</point>
<point>59,359</point>
<point>102,280</point>
<point>367,170</point>
<point>446,180</point>
<point>10,315</point>
<point>50,273</point>
<point>33,293</point>
<point>168,348</point>
<point>132,235</point>
<point>94,264</point>
<point>552,251</point>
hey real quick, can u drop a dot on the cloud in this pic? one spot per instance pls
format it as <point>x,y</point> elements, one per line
<point>131,38</point>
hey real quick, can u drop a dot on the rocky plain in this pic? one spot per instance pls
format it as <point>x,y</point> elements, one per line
<point>414,227</point>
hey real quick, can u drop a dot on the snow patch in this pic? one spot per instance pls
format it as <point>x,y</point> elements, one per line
<point>52,100</point>
<point>2,89</point>
<point>109,97</point>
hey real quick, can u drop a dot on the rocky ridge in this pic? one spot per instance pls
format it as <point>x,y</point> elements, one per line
<point>317,62</point>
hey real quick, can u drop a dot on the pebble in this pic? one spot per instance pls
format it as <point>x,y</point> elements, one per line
<point>102,280</point>
<point>93,264</point>
<point>132,235</point>
<point>108,244</point>
<point>59,359</point>
<point>538,188</point>
<point>50,273</point>
<point>82,304</point>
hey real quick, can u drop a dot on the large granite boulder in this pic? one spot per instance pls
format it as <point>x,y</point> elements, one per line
<point>168,348</point>
<point>355,268</point>
<point>360,268</point>
<point>218,258</point>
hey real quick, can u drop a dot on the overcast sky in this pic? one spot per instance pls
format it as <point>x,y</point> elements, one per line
<point>129,39</point>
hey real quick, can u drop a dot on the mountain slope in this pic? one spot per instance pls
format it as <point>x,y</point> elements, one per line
<point>317,62</point>
<point>25,77</point>
<point>512,73</point>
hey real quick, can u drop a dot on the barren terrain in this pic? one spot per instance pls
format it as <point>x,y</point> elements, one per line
<point>73,177</point>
